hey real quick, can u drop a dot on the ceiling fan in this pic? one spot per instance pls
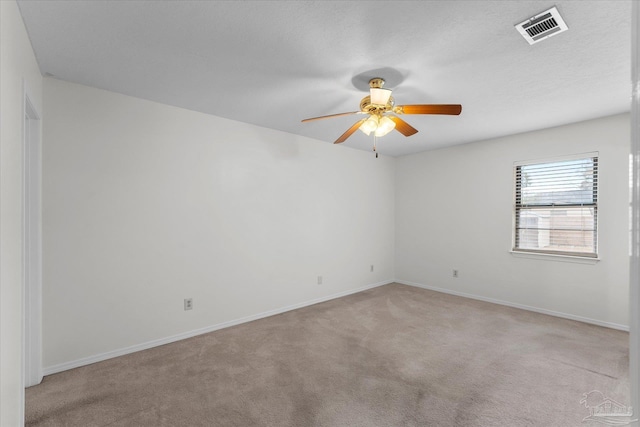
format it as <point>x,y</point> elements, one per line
<point>382,113</point>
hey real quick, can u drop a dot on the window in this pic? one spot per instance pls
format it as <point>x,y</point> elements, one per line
<point>556,207</point>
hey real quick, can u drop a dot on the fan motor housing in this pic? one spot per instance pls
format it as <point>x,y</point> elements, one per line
<point>367,107</point>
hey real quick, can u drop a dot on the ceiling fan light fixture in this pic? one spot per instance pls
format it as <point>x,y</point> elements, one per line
<point>380,96</point>
<point>369,125</point>
<point>385,126</point>
<point>377,105</point>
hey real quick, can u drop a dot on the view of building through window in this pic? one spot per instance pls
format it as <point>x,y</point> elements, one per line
<point>556,207</point>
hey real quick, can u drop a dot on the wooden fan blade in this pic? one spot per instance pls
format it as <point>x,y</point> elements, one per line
<point>403,127</point>
<point>452,109</point>
<point>330,116</point>
<point>349,131</point>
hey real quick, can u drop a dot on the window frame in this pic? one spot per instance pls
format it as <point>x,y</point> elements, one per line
<point>587,256</point>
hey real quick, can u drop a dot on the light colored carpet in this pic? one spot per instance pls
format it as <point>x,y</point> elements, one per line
<point>390,356</point>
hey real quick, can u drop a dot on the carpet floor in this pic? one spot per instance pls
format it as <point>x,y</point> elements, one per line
<point>390,356</point>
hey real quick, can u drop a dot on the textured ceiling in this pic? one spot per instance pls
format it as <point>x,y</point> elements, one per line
<point>273,63</point>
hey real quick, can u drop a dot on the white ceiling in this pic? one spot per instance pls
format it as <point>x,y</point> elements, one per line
<point>273,63</point>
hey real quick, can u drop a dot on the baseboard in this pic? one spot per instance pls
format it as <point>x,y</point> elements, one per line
<point>162,341</point>
<point>520,306</point>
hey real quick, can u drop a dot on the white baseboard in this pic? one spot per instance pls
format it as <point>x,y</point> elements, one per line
<point>516,305</point>
<point>162,341</point>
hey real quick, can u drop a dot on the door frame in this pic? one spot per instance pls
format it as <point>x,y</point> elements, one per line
<point>634,274</point>
<point>32,371</point>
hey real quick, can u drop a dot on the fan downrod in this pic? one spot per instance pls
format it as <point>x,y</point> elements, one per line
<point>376,83</point>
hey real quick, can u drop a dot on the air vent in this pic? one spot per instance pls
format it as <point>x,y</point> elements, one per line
<point>542,26</point>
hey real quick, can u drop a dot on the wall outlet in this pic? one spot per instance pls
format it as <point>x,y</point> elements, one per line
<point>188,304</point>
<point>372,268</point>
<point>455,273</point>
<point>319,280</point>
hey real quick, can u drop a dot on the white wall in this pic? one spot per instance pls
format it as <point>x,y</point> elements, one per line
<point>17,68</point>
<point>454,211</point>
<point>146,204</point>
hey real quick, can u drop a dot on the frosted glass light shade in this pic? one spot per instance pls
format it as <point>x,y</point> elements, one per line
<point>380,96</point>
<point>369,125</point>
<point>385,126</point>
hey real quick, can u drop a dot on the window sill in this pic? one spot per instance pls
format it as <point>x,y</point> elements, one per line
<point>553,257</point>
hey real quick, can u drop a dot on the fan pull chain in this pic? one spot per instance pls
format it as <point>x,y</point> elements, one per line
<point>375,142</point>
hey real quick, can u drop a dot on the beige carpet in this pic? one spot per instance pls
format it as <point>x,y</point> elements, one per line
<point>391,356</point>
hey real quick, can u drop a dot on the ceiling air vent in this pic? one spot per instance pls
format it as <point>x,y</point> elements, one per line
<point>542,26</point>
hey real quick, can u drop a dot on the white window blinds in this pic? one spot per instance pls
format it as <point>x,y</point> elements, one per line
<point>556,207</point>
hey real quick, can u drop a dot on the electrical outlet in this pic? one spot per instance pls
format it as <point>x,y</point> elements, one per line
<point>188,304</point>
<point>372,268</point>
<point>455,273</point>
<point>319,280</point>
